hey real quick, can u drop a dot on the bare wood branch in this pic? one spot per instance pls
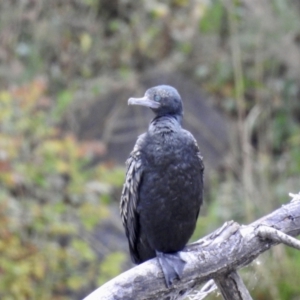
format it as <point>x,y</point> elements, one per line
<point>227,249</point>
<point>277,236</point>
<point>232,287</point>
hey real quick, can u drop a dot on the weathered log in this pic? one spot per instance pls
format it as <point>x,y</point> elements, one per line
<point>212,257</point>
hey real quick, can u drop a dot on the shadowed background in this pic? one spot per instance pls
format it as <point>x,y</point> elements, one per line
<point>67,69</point>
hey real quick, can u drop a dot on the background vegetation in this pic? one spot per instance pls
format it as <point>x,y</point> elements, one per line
<point>60,234</point>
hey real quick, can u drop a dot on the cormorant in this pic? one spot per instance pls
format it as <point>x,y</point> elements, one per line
<point>162,193</point>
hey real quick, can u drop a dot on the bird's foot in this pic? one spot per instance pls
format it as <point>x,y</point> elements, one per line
<point>172,266</point>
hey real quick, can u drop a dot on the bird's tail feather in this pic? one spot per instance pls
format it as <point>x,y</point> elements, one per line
<point>172,266</point>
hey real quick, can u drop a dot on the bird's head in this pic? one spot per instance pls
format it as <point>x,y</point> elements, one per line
<point>162,99</point>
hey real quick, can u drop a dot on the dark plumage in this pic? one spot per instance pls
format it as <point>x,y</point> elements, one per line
<point>162,193</point>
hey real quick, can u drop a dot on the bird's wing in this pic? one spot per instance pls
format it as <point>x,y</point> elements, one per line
<point>129,198</point>
<point>200,164</point>
<point>198,153</point>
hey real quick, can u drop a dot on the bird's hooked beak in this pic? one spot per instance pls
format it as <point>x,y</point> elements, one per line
<point>144,101</point>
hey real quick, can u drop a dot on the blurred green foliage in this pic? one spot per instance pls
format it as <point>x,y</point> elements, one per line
<point>54,54</point>
<point>46,199</point>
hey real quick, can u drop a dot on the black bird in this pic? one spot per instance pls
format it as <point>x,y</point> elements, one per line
<point>162,193</point>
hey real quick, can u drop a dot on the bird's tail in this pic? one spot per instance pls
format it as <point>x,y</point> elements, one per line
<point>172,266</point>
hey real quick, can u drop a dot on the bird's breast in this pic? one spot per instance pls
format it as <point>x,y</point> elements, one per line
<point>171,169</point>
<point>168,150</point>
<point>170,193</point>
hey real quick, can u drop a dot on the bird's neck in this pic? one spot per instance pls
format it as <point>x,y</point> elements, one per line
<point>165,124</point>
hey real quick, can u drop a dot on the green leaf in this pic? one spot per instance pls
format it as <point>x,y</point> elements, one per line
<point>64,99</point>
<point>211,21</point>
<point>111,266</point>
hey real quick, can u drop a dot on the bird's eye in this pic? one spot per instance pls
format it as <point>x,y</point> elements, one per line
<point>157,98</point>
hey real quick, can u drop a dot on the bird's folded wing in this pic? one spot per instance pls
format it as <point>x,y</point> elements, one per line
<point>200,157</point>
<point>200,162</point>
<point>129,199</point>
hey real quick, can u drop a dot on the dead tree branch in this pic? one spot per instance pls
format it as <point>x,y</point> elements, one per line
<point>232,287</point>
<point>216,256</point>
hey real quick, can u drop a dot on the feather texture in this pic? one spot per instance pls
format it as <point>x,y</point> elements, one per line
<point>129,199</point>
